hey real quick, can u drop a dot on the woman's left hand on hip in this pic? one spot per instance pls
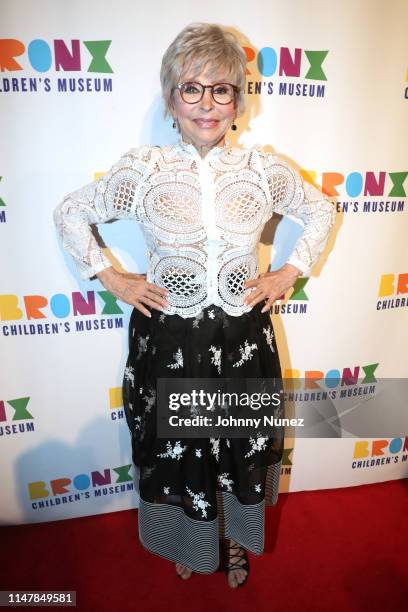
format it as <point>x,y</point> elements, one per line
<point>271,285</point>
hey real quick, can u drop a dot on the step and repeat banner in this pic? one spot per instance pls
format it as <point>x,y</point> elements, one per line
<point>327,88</point>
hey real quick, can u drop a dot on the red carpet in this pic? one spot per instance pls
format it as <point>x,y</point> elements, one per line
<point>340,549</point>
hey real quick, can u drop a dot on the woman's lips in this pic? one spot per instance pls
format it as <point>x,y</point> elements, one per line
<point>206,123</point>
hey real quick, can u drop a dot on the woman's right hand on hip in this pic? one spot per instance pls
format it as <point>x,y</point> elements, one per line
<point>134,289</point>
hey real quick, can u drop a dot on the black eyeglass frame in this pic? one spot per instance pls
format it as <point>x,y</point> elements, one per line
<point>180,85</point>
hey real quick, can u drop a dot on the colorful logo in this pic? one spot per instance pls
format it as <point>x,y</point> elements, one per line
<point>82,486</point>
<point>64,59</point>
<point>392,285</point>
<point>42,56</point>
<point>320,380</point>
<point>16,418</point>
<point>59,306</point>
<point>297,64</point>
<point>376,453</point>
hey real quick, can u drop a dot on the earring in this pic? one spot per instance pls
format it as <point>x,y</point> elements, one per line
<point>174,123</point>
<point>233,126</point>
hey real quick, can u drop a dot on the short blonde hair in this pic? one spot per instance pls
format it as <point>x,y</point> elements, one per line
<point>195,46</point>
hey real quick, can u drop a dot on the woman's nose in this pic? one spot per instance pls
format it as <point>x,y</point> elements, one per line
<point>207,100</point>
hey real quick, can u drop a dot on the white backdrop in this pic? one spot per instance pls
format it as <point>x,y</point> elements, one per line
<point>65,446</point>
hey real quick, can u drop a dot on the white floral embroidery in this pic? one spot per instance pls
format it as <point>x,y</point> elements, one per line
<point>246,353</point>
<point>175,452</point>
<point>150,399</point>
<point>198,452</point>
<point>199,358</point>
<point>216,358</point>
<point>178,357</point>
<point>198,501</point>
<point>129,374</point>
<point>215,447</point>
<point>153,350</point>
<point>166,490</point>
<point>142,346</point>
<point>269,335</point>
<point>140,390</point>
<point>257,445</point>
<point>211,314</point>
<point>228,442</point>
<point>258,488</point>
<point>162,317</point>
<point>138,422</point>
<point>225,481</point>
<point>198,318</point>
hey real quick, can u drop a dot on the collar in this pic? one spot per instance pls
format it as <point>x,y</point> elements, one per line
<point>190,148</point>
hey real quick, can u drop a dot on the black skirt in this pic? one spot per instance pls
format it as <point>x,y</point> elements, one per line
<point>194,491</point>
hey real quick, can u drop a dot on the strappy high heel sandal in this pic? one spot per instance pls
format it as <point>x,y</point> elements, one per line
<point>241,554</point>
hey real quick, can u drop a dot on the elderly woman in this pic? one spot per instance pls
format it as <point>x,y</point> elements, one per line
<point>201,311</point>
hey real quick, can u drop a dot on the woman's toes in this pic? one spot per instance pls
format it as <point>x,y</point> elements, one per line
<point>241,576</point>
<point>232,580</point>
<point>183,571</point>
<point>235,577</point>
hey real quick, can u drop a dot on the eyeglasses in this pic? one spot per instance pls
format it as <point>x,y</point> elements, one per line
<point>192,92</point>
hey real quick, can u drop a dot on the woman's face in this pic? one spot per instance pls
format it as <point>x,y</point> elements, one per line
<point>204,123</point>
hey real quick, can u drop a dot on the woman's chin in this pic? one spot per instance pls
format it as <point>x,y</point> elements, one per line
<point>209,137</point>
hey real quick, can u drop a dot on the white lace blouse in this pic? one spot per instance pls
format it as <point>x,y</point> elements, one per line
<point>201,218</point>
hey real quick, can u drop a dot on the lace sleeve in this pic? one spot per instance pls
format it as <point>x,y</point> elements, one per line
<point>293,196</point>
<point>112,196</point>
